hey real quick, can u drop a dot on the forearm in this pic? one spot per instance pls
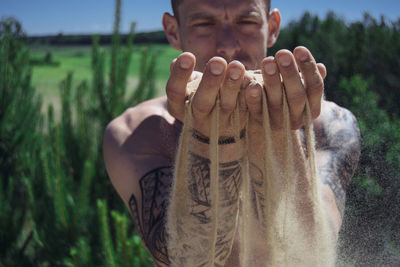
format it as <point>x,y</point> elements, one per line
<point>290,170</point>
<point>227,208</point>
<point>198,223</point>
<point>281,172</point>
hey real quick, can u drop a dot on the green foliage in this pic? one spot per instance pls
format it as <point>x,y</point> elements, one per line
<point>46,60</point>
<point>18,101</point>
<point>113,99</point>
<point>18,138</point>
<point>146,38</point>
<point>369,48</point>
<point>126,251</point>
<point>370,234</point>
<point>56,197</point>
<point>78,59</point>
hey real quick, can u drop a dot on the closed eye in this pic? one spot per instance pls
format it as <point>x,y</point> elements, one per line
<point>248,22</point>
<point>203,24</point>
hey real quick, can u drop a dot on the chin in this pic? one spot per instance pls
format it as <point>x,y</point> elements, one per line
<point>251,66</point>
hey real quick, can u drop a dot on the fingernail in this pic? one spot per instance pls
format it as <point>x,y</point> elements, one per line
<point>284,60</point>
<point>254,92</point>
<point>216,68</point>
<point>185,63</point>
<point>270,68</point>
<point>235,73</point>
<point>302,55</point>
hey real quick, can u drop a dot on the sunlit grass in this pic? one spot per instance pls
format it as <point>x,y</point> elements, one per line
<point>77,59</point>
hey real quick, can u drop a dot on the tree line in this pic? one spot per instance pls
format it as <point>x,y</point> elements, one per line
<point>155,37</point>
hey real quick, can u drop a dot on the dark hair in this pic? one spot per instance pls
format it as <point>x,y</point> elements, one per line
<point>175,4</point>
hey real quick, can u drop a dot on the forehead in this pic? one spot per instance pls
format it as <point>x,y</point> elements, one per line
<point>192,8</point>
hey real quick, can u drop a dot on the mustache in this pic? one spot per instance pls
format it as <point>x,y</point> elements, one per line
<point>245,59</point>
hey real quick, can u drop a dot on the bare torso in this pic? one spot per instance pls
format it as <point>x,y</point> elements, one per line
<point>140,148</point>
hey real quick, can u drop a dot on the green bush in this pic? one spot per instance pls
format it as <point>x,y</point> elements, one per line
<point>370,235</point>
<point>19,119</point>
<point>369,48</point>
<point>57,205</point>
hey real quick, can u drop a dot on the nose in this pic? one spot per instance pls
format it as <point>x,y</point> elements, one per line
<point>228,45</point>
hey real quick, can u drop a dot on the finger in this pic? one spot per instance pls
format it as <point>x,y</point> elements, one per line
<point>296,95</point>
<point>181,70</point>
<point>273,87</point>
<point>231,87</point>
<point>313,81</point>
<point>205,97</point>
<point>322,70</point>
<point>254,101</point>
<point>194,76</point>
<point>171,67</point>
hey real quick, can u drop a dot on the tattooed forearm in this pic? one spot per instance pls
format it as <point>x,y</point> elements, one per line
<point>340,140</point>
<point>229,186</point>
<point>155,187</point>
<point>257,196</point>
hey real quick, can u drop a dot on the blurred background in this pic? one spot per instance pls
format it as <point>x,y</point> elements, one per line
<point>67,68</point>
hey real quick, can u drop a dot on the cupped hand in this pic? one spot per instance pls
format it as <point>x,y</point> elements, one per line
<point>300,76</point>
<point>219,80</point>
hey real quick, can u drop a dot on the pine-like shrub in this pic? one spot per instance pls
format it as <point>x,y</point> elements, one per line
<point>19,121</point>
<point>370,234</point>
<point>57,205</point>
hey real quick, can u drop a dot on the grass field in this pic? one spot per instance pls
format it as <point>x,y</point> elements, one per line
<point>77,59</point>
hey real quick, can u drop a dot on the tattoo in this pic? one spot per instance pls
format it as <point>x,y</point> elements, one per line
<point>341,137</point>
<point>257,189</point>
<point>155,187</point>
<point>229,187</point>
<point>199,188</point>
<point>223,140</point>
<point>230,183</point>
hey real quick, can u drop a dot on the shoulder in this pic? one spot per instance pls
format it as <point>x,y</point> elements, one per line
<point>336,127</point>
<point>338,150</point>
<point>139,140</point>
<point>331,112</point>
<point>142,128</point>
<point>338,144</point>
<point>123,126</point>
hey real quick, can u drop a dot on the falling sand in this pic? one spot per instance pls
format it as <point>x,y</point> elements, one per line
<point>293,233</point>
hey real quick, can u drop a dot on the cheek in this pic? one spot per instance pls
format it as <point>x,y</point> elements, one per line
<point>255,39</point>
<point>255,44</point>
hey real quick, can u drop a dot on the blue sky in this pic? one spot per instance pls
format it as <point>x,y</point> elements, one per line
<point>89,16</point>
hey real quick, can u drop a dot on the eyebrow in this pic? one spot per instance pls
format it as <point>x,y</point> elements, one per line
<point>200,15</point>
<point>207,16</point>
<point>250,14</point>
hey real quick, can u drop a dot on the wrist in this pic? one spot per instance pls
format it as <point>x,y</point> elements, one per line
<point>230,148</point>
<point>222,140</point>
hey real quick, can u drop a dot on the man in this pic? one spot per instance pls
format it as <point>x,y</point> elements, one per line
<point>220,40</point>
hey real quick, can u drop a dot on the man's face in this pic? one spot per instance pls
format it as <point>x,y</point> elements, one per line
<point>232,29</point>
